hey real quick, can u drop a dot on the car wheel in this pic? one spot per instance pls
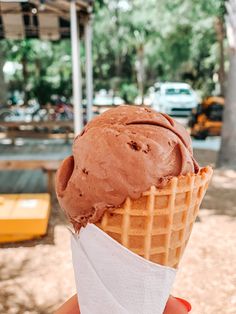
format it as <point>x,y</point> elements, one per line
<point>201,135</point>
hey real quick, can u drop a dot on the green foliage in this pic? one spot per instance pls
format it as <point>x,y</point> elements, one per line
<point>128,92</point>
<point>177,38</point>
<point>179,41</point>
<point>46,68</point>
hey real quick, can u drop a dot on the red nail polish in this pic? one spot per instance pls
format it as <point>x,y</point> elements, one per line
<point>185,303</point>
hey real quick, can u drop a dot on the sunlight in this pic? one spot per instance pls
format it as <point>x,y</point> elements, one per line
<point>10,67</point>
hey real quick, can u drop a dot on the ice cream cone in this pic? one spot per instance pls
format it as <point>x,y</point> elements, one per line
<point>157,226</point>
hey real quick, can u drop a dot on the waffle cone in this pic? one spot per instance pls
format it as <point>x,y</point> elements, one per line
<point>157,226</point>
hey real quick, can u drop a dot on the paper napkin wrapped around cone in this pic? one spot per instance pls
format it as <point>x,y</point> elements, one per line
<point>111,279</point>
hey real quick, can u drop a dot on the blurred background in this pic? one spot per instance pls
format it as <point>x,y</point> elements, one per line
<point>64,62</point>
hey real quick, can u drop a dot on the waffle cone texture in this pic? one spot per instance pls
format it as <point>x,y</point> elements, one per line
<point>157,226</point>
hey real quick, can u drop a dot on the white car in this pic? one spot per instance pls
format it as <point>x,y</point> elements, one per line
<point>177,99</point>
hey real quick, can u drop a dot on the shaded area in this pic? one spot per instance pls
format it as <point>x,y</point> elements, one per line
<point>36,279</point>
<point>36,276</point>
<point>30,305</point>
<point>206,276</point>
<point>20,181</point>
<point>221,195</point>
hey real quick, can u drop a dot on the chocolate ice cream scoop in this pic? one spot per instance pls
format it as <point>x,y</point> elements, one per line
<point>121,154</point>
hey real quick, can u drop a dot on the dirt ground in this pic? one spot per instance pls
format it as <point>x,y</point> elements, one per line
<point>37,276</point>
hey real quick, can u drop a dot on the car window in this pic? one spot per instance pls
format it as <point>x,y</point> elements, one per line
<point>177,91</point>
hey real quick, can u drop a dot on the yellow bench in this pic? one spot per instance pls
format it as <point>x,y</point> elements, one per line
<point>23,216</point>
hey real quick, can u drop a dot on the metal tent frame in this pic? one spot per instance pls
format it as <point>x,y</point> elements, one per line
<point>53,20</point>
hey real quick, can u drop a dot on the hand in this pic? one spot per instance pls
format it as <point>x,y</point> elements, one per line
<point>173,306</point>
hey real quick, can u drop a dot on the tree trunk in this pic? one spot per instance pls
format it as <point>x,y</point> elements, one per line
<point>140,72</point>
<point>219,26</point>
<point>227,154</point>
<point>3,86</point>
<point>117,26</point>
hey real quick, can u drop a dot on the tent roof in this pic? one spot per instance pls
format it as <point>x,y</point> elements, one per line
<point>44,19</point>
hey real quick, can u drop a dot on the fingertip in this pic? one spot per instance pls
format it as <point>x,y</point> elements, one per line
<point>185,303</point>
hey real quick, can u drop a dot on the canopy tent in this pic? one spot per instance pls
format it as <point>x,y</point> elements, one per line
<point>55,20</point>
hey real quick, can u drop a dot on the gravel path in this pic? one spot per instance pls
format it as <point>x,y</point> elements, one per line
<point>207,274</point>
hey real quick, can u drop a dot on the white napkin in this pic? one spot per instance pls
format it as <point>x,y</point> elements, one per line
<point>110,279</point>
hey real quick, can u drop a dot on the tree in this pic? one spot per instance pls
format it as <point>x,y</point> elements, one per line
<point>178,42</point>
<point>227,154</point>
<point>135,44</point>
<point>46,68</point>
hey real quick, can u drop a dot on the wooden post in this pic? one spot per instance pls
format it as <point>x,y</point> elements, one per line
<point>77,91</point>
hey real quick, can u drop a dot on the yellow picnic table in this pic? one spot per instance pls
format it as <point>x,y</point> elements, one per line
<point>23,216</point>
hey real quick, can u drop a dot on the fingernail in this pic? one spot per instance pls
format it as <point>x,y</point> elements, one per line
<point>185,303</point>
